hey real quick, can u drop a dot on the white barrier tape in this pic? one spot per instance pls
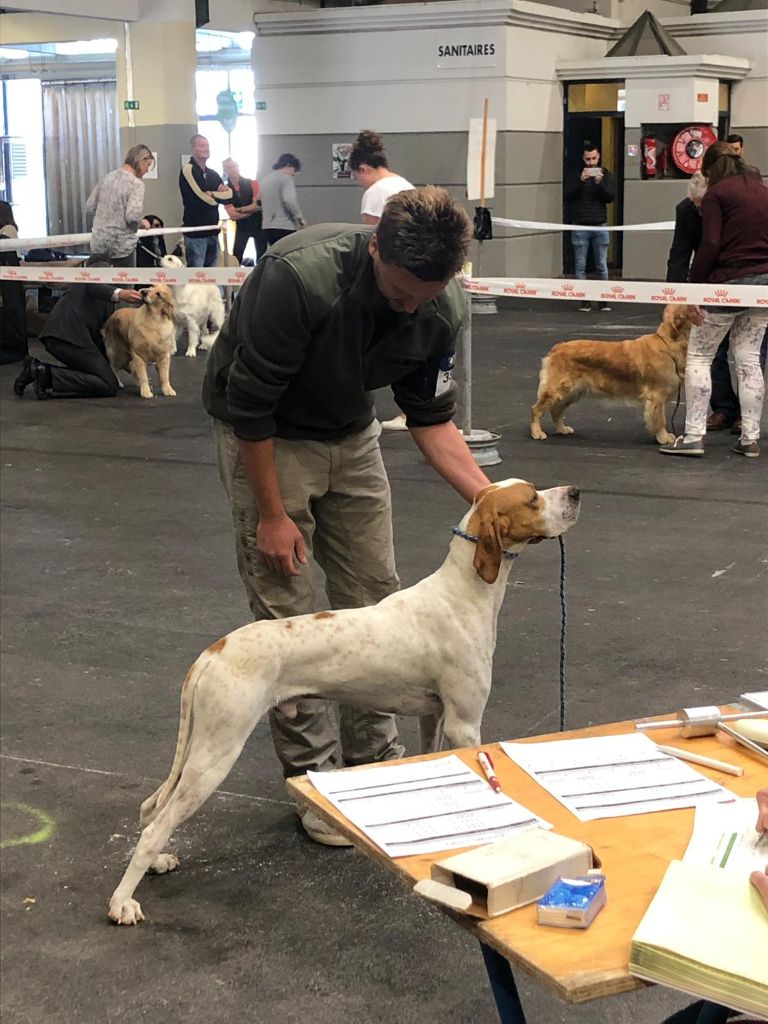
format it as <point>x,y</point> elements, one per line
<point>529,288</point>
<point>745,295</point>
<point>62,241</point>
<point>539,225</point>
<point>125,277</point>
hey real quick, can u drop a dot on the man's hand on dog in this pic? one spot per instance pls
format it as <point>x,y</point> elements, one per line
<point>130,295</point>
<point>279,541</point>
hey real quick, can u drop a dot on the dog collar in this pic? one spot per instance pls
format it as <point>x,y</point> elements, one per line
<point>471,537</point>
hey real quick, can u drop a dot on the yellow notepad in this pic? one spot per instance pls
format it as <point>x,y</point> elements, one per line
<point>706,933</point>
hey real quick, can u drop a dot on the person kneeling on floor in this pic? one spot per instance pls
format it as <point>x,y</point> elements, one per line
<point>72,334</point>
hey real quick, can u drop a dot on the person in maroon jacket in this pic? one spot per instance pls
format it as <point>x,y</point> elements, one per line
<point>733,250</point>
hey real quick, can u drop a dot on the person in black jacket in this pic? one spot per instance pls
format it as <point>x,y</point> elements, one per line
<point>245,211</point>
<point>13,314</point>
<point>589,193</point>
<point>151,248</point>
<point>72,334</point>
<point>201,192</point>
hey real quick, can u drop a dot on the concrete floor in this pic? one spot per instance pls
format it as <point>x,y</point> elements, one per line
<point>118,570</point>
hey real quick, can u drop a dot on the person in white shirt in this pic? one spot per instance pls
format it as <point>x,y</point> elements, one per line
<point>370,169</point>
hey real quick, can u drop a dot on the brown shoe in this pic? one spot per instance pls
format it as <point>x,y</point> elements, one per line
<point>718,421</point>
<point>736,428</point>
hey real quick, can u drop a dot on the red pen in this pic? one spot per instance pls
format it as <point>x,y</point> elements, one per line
<point>487,765</point>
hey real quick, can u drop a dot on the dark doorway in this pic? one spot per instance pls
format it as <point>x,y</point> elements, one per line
<point>605,130</point>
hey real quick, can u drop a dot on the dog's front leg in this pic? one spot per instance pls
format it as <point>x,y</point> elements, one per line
<point>164,372</point>
<point>139,371</point>
<point>193,337</point>
<point>655,415</point>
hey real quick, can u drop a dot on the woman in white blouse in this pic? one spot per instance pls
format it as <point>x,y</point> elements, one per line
<point>371,170</point>
<point>115,205</point>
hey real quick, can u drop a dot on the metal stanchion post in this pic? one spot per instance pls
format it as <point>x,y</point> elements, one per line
<point>482,443</point>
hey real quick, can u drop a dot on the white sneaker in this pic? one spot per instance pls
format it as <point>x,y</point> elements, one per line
<point>319,831</point>
<point>398,423</point>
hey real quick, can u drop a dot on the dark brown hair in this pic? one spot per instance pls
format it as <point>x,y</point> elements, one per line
<point>721,162</point>
<point>368,148</point>
<point>425,232</point>
<point>6,216</point>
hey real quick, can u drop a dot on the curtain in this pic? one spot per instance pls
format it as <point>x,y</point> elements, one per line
<point>81,144</point>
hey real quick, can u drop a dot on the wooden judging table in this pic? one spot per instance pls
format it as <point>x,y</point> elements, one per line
<point>575,965</point>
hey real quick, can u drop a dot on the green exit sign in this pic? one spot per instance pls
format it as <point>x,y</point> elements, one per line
<point>130,104</point>
<point>261,105</point>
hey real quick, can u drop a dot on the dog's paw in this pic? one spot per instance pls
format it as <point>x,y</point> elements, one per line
<point>563,429</point>
<point>163,863</point>
<point>146,393</point>
<point>125,911</point>
<point>538,434</point>
<point>191,353</point>
<point>665,438</point>
<point>169,392</point>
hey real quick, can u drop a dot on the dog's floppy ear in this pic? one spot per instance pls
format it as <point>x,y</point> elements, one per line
<point>486,525</point>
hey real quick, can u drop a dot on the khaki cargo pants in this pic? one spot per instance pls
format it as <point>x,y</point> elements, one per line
<point>337,493</point>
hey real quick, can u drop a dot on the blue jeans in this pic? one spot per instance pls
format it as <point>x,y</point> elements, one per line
<point>581,241</point>
<point>202,250</point>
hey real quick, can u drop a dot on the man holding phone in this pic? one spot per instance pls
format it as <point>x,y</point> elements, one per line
<point>588,194</point>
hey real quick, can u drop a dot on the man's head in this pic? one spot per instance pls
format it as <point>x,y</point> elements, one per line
<point>736,142</point>
<point>231,169</point>
<point>591,155</point>
<point>419,244</point>
<point>199,148</point>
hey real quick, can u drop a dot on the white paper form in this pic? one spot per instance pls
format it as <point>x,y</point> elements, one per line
<point>426,807</point>
<point>725,837</point>
<point>612,776</point>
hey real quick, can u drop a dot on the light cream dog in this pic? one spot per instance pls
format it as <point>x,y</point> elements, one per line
<point>421,651</point>
<point>136,338</point>
<point>198,310</point>
<point>646,370</point>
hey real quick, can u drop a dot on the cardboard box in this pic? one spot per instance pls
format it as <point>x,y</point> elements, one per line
<point>506,875</point>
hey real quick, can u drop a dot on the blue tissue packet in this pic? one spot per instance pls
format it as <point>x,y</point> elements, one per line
<point>572,902</point>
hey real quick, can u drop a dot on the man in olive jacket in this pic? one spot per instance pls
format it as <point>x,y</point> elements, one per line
<point>328,315</point>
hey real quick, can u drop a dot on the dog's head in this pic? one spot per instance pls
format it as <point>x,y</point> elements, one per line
<point>171,262</point>
<point>511,514</point>
<point>677,321</point>
<point>159,299</point>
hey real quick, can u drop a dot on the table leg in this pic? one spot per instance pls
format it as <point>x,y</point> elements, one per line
<point>504,988</point>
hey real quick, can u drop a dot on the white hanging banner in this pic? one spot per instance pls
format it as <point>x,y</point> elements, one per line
<point>475,157</point>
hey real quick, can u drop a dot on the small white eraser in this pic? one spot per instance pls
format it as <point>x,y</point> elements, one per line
<point>437,892</point>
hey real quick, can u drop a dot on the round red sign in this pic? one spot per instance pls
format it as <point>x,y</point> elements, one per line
<point>689,145</point>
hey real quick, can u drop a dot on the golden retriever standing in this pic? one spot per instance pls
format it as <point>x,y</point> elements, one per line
<point>135,338</point>
<point>647,370</point>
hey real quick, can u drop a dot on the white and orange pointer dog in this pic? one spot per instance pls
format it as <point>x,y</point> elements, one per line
<point>421,651</point>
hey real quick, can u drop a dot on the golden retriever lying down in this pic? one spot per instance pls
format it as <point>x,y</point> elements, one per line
<point>647,370</point>
<point>135,338</point>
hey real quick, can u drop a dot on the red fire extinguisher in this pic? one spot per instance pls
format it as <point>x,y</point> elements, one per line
<point>648,166</point>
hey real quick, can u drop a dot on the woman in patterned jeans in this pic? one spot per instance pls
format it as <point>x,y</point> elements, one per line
<point>733,250</point>
<point>115,205</point>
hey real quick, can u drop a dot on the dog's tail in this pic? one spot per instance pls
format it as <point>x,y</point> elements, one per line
<point>155,803</point>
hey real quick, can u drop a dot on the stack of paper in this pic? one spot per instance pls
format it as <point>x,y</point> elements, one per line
<point>706,933</point>
<point>610,776</point>
<point>424,806</point>
<point>757,698</point>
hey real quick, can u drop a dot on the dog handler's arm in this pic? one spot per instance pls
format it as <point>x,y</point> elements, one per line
<point>446,451</point>
<point>278,537</point>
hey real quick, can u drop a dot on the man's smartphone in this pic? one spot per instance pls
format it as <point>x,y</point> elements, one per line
<point>594,172</point>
